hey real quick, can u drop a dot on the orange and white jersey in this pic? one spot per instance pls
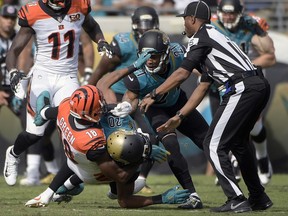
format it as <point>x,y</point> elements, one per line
<point>77,142</point>
<point>57,35</point>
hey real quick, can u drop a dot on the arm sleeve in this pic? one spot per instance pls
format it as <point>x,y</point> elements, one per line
<point>132,83</point>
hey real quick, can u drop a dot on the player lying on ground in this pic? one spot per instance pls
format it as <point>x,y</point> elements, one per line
<point>85,146</point>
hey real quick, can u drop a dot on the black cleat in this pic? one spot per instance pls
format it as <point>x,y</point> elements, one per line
<point>260,203</point>
<point>237,205</point>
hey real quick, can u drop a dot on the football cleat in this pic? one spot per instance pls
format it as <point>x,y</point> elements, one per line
<point>38,202</point>
<point>43,101</point>
<point>58,198</point>
<point>112,196</point>
<point>10,167</point>
<point>237,205</point>
<point>73,192</point>
<point>193,202</point>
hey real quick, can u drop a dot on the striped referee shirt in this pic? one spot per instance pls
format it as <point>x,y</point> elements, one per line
<point>215,56</point>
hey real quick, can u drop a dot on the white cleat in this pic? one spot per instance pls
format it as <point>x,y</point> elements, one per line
<point>38,202</point>
<point>10,168</point>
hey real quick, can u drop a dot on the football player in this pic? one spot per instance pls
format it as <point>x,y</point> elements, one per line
<point>56,26</point>
<point>93,159</point>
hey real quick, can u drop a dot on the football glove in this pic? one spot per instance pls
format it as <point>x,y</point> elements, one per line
<point>159,154</point>
<point>15,78</point>
<point>16,105</point>
<point>144,56</point>
<point>105,48</point>
<point>175,196</point>
<point>122,109</point>
<point>43,101</point>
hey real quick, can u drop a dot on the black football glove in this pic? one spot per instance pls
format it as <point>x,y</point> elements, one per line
<point>15,78</point>
<point>105,48</point>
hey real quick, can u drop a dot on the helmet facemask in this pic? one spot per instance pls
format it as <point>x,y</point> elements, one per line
<point>57,4</point>
<point>164,59</point>
<point>143,19</point>
<point>160,42</point>
<point>143,25</point>
<point>232,7</point>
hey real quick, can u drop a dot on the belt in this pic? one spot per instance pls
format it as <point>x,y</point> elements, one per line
<point>242,75</point>
<point>236,78</point>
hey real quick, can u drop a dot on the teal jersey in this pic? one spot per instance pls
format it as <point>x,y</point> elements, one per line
<point>128,48</point>
<point>142,82</point>
<point>111,123</point>
<point>242,35</point>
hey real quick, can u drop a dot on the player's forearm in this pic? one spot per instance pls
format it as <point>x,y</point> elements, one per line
<point>177,77</point>
<point>135,201</point>
<point>265,60</point>
<point>195,99</point>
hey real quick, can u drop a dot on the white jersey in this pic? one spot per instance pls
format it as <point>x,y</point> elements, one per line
<point>56,35</point>
<point>57,38</point>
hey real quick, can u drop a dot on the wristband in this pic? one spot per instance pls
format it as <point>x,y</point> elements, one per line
<point>153,94</point>
<point>101,40</point>
<point>12,71</point>
<point>157,199</point>
<point>180,115</point>
<point>88,70</point>
<point>131,69</point>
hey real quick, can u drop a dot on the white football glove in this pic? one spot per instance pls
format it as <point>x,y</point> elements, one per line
<point>21,88</point>
<point>122,109</point>
<point>139,130</point>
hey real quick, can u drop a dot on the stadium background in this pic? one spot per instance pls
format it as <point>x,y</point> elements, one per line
<point>276,113</point>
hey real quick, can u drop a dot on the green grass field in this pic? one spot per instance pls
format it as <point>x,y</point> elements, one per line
<point>93,200</point>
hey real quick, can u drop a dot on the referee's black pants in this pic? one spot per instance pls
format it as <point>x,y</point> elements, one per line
<point>229,131</point>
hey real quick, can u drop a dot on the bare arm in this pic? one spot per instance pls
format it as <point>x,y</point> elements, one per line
<point>265,48</point>
<point>105,65</point>
<point>194,100</point>
<point>108,80</point>
<point>93,29</point>
<point>20,41</point>
<point>176,78</point>
<point>88,50</point>
<point>25,60</point>
<point>132,98</point>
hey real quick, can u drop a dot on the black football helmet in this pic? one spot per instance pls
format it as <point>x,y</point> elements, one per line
<point>230,6</point>
<point>160,42</point>
<point>128,147</point>
<point>143,19</point>
<point>56,4</point>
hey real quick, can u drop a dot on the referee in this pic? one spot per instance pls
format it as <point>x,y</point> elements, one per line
<point>218,58</point>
